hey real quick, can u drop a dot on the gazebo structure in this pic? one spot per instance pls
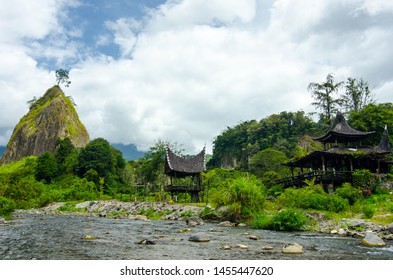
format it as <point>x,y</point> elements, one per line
<point>185,174</point>
<point>343,153</point>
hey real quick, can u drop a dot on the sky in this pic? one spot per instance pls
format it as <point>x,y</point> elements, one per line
<point>184,70</point>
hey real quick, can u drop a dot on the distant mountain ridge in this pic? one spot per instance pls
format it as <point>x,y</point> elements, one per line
<point>2,150</point>
<point>130,151</point>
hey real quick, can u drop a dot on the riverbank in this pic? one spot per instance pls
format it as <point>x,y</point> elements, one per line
<point>145,211</point>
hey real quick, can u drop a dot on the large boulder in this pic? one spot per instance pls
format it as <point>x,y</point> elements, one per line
<point>51,117</point>
<point>373,240</point>
<point>199,237</point>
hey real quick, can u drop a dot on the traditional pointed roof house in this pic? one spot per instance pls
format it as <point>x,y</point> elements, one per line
<point>191,167</point>
<point>341,132</point>
<point>335,165</point>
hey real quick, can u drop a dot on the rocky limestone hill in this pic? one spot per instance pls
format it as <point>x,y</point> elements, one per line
<point>51,117</point>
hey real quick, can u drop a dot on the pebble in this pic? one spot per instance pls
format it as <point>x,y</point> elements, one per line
<point>89,237</point>
<point>147,242</point>
<point>226,247</point>
<point>241,246</point>
<point>254,237</point>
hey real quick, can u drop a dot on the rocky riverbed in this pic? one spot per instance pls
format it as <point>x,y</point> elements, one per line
<point>116,230</point>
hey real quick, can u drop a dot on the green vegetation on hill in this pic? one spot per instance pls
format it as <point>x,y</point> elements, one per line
<point>50,117</point>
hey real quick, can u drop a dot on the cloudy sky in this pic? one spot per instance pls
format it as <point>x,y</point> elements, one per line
<point>184,70</point>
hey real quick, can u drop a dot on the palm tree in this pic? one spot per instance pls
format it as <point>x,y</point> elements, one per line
<point>324,99</point>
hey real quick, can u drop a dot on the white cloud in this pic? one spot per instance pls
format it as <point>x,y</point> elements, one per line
<point>375,7</point>
<point>125,34</point>
<point>188,69</point>
<point>178,14</point>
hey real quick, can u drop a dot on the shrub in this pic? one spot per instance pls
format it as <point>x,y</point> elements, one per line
<point>312,197</point>
<point>288,220</point>
<point>368,211</point>
<point>244,196</point>
<point>6,206</point>
<point>285,220</point>
<point>262,221</point>
<point>348,192</point>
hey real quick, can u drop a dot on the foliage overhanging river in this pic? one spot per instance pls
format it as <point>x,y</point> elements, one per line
<point>52,237</point>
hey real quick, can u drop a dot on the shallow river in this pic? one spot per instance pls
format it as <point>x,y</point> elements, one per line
<point>64,237</point>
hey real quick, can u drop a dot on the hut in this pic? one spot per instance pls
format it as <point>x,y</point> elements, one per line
<point>185,174</point>
<point>343,153</point>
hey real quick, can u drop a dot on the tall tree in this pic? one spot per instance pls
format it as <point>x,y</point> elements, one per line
<point>152,167</point>
<point>357,95</point>
<point>323,94</point>
<point>62,77</point>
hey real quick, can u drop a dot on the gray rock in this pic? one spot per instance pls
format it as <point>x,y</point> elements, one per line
<point>294,248</point>
<point>195,221</point>
<point>199,237</point>
<point>2,220</point>
<point>372,240</point>
<point>226,224</point>
<point>102,214</point>
<point>389,228</point>
<point>85,204</point>
<point>389,237</point>
<point>356,223</point>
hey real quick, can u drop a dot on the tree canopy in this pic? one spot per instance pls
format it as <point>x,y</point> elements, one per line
<point>62,77</point>
<point>324,96</point>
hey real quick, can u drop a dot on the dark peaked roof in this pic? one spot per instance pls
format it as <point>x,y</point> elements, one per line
<point>383,145</point>
<point>341,132</point>
<point>184,166</point>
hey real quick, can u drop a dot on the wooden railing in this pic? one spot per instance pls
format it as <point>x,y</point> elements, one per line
<point>327,177</point>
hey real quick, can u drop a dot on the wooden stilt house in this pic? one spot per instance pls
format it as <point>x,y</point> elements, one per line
<point>185,174</point>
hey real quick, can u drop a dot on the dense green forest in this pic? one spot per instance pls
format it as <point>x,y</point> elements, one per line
<point>247,159</point>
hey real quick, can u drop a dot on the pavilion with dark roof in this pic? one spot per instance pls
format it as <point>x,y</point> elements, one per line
<point>343,153</point>
<point>180,168</point>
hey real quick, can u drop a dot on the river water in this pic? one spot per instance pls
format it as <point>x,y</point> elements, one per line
<point>64,237</point>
